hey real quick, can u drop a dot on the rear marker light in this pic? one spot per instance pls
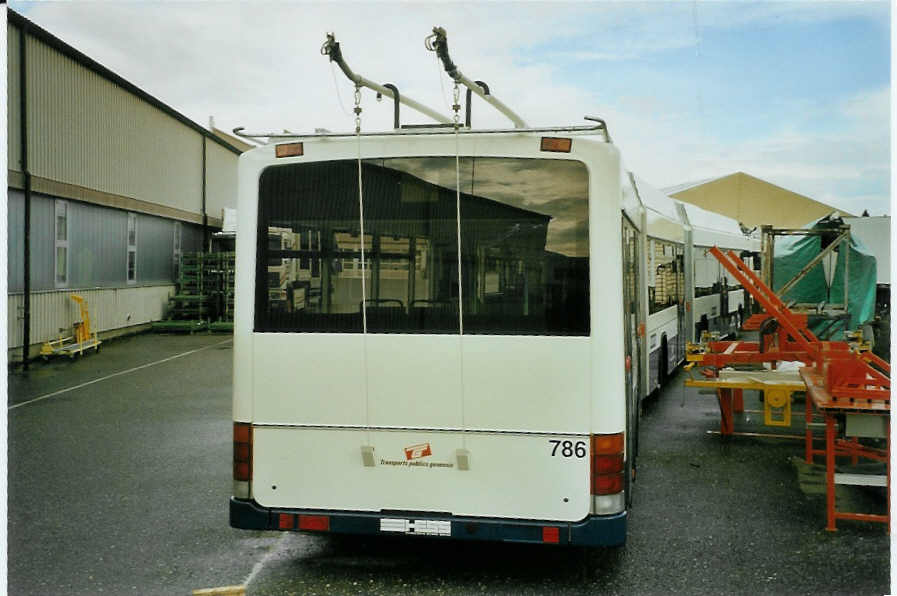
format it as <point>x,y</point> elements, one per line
<point>242,472</point>
<point>320,523</point>
<point>288,150</point>
<point>607,444</point>
<point>286,521</point>
<point>556,144</point>
<point>551,534</point>
<point>241,432</point>
<point>607,484</point>
<point>607,464</point>
<point>242,451</point>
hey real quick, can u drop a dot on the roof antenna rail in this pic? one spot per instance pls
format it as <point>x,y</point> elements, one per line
<point>437,43</point>
<point>332,50</point>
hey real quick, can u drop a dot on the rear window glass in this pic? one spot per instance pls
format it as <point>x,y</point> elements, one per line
<point>523,250</point>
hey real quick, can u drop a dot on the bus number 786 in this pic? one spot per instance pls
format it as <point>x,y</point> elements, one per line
<point>568,448</point>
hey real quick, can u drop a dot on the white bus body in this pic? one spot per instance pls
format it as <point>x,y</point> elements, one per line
<point>481,431</point>
<point>688,291</point>
<point>720,303</point>
<point>381,392</point>
<point>666,292</point>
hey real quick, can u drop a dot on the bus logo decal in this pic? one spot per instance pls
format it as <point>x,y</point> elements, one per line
<point>418,451</point>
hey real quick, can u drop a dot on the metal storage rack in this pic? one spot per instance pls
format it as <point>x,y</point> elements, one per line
<point>224,291</point>
<point>190,309</point>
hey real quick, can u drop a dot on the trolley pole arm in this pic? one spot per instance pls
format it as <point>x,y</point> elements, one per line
<point>331,49</point>
<point>437,42</point>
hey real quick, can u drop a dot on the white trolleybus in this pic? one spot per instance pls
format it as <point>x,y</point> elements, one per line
<point>462,349</point>
<point>688,291</point>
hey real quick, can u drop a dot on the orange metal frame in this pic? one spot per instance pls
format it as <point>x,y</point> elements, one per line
<point>838,380</point>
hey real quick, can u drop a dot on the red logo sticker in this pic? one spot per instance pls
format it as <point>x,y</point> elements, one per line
<point>417,451</point>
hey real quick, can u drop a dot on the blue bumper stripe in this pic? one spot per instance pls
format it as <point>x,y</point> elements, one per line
<point>595,530</point>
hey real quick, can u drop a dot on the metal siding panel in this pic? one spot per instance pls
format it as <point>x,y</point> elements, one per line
<point>13,111</point>
<point>155,249</point>
<point>43,243</point>
<point>191,238</point>
<point>97,246</point>
<point>15,241</point>
<point>13,322</point>
<point>89,132</point>
<point>221,179</point>
<point>109,308</point>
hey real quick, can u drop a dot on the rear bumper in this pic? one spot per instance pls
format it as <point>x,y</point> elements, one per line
<point>595,530</point>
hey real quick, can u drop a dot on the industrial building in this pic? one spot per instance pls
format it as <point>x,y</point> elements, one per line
<point>752,201</point>
<point>114,186</point>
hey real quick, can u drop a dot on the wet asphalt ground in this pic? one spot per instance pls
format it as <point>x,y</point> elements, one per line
<point>120,486</point>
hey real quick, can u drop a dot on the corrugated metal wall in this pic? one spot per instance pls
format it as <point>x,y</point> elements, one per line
<point>42,245</point>
<point>155,249</point>
<point>87,131</point>
<point>191,238</point>
<point>97,245</point>
<point>13,111</point>
<point>109,308</point>
<point>221,179</point>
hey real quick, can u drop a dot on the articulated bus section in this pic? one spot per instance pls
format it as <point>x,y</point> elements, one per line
<point>432,361</point>
<point>459,345</point>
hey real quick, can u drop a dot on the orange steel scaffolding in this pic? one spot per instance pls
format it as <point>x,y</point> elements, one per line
<point>841,383</point>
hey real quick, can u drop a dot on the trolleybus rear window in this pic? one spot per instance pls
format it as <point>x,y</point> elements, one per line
<point>524,247</point>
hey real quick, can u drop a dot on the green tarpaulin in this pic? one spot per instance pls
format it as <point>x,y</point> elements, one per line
<point>793,253</point>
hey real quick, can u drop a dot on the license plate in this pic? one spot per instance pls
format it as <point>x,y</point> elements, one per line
<point>424,527</point>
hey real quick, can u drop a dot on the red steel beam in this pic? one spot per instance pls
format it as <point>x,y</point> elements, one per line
<point>767,299</point>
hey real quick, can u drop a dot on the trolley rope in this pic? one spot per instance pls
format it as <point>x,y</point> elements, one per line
<point>339,98</point>
<point>456,107</point>
<point>364,311</point>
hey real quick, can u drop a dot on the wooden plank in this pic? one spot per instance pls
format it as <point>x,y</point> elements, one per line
<point>221,591</point>
<point>862,479</point>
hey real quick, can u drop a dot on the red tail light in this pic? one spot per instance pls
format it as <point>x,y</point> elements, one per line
<point>242,451</point>
<point>285,521</point>
<point>607,484</point>
<point>321,523</point>
<point>607,464</point>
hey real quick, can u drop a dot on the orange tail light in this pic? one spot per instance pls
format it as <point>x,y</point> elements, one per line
<point>607,464</point>
<point>242,451</point>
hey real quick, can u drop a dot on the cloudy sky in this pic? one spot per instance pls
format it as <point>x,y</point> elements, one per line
<point>797,93</point>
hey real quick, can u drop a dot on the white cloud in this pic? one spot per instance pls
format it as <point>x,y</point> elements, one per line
<point>836,162</point>
<point>258,65</point>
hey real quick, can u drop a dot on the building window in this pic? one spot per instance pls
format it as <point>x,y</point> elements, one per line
<point>132,248</point>
<point>176,250</point>
<point>62,244</point>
